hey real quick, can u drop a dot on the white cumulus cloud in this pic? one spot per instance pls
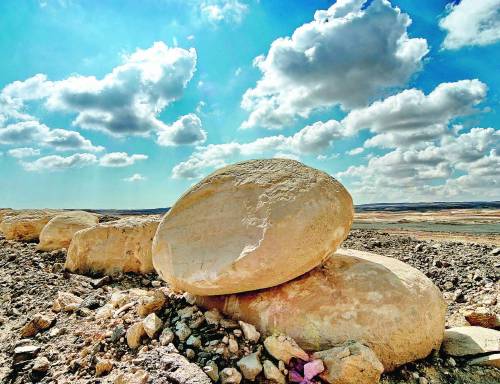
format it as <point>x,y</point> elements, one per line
<point>120,159</point>
<point>186,130</point>
<point>471,22</point>
<point>134,178</point>
<point>20,153</point>
<point>230,11</point>
<point>346,56</point>
<point>55,162</point>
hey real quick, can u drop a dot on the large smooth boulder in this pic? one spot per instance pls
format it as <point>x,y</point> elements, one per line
<point>26,225</point>
<point>378,301</point>
<point>59,231</point>
<point>251,225</point>
<point>116,246</point>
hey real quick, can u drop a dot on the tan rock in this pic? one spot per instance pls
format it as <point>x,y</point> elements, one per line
<point>25,225</point>
<point>41,364</point>
<point>134,335</point>
<point>350,363</point>
<point>230,376</point>
<point>212,371</point>
<point>5,212</point>
<point>271,372</point>
<point>462,341</point>
<point>139,377</point>
<point>116,246</point>
<point>66,302</point>
<point>59,231</point>
<point>151,302</point>
<point>103,367</point>
<point>483,317</point>
<point>283,348</point>
<point>251,225</point>
<point>489,360</point>
<point>379,301</point>
<point>250,366</point>
<point>249,331</point>
<point>152,324</point>
<point>39,322</point>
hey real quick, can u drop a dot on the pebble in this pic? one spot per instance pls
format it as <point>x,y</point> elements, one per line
<point>271,372</point>
<point>230,376</point>
<point>250,366</point>
<point>249,331</point>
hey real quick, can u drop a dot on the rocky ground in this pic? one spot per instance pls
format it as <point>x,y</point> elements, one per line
<point>87,338</point>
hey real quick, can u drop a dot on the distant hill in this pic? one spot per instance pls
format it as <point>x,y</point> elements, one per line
<point>389,207</point>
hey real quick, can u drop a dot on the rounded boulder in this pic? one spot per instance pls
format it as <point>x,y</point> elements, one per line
<point>59,231</point>
<point>116,246</point>
<point>25,225</point>
<point>251,225</point>
<point>378,301</point>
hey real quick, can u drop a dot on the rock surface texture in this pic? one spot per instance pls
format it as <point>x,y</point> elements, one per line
<point>380,302</point>
<point>251,225</point>
<point>25,225</point>
<point>59,231</point>
<point>116,246</point>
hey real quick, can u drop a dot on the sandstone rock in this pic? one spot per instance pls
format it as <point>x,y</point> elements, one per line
<point>379,301</point>
<point>166,337</point>
<point>66,302</point>
<point>41,364</point>
<point>249,331</point>
<point>350,363</point>
<point>462,341</point>
<point>152,324</point>
<point>103,367</point>
<point>271,372</point>
<point>283,348</point>
<point>250,366</point>
<point>251,225</point>
<point>212,317</point>
<point>483,317</point>
<point>134,335</point>
<point>182,331</point>
<point>489,360</point>
<point>230,376</point>
<point>116,246</point>
<point>39,322</point>
<point>59,231</point>
<point>139,377</point>
<point>177,369</point>
<point>212,371</point>
<point>25,225</point>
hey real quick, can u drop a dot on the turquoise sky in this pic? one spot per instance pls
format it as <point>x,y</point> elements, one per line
<point>125,104</point>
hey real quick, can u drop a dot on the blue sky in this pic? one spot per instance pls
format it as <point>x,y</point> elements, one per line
<point>125,104</point>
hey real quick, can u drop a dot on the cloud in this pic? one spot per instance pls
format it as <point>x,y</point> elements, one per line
<point>355,151</point>
<point>471,22</point>
<point>134,178</point>
<point>120,159</point>
<point>346,56</point>
<point>186,130</point>
<point>55,162</point>
<point>311,139</point>
<point>229,11</point>
<point>432,173</point>
<point>411,117</point>
<point>127,100</point>
<point>34,132</point>
<point>20,153</point>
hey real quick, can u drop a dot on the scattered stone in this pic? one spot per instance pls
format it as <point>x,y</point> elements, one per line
<point>175,368</point>
<point>313,368</point>
<point>150,303</point>
<point>233,346</point>
<point>103,367</point>
<point>166,337</point>
<point>152,324</point>
<point>134,335</point>
<point>462,341</point>
<point>488,360</point>
<point>97,283</point>
<point>495,252</point>
<point>351,362</point>
<point>230,376</point>
<point>66,302</point>
<point>105,312</point>
<point>271,372</point>
<point>40,322</point>
<point>190,354</point>
<point>249,331</point>
<point>139,377</point>
<point>266,224</point>
<point>212,317</point>
<point>117,246</point>
<point>182,331</point>
<point>25,353</point>
<point>283,348</point>
<point>41,364</point>
<point>250,366</point>
<point>212,370</point>
<point>194,341</point>
<point>483,317</point>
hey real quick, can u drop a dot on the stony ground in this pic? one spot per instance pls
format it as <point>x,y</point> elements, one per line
<point>88,346</point>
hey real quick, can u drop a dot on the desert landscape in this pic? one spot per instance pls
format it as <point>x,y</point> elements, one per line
<point>82,302</point>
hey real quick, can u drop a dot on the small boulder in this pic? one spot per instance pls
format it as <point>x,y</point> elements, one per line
<point>249,331</point>
<point>152,324</point>
<point>230,376</point>
<point>350,363</point>
<point>25,225</point>
<point>488,360</point>
<point>59,231</point>
<point>116,246</point>
<point>39,322</point>
<point>212,371</point>
<point>134,335</point>
<point>250,366</point>
<point>283,348</point>
<point>103,367</point>
<point>271,372</point>
<point>66,302</point>
<point>483,317</point>
<point>462,341</point>
<point>41,364</point>
<point>251,225</point>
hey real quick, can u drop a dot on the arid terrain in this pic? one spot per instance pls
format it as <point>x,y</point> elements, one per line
<point>88,345</point>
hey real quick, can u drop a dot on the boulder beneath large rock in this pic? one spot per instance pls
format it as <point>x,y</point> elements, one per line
<point>378,301</point>
<point>463,341</point>
<point>116,246</point>
<point>59,231</point>
<point>251,225</point>
<point>25,225</point>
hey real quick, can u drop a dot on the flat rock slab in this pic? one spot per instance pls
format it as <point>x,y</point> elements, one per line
<point>463,341</point>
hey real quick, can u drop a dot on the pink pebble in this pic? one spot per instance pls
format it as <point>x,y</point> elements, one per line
<point>313,368</point>
<point>295,377</point>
